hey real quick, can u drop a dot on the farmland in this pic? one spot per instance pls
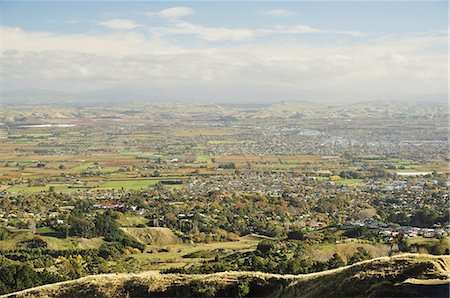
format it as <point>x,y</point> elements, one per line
<point>208,188</point>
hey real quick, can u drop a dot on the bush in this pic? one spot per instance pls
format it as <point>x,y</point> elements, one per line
<point>361,254</point>
<point>112,250</point>
<point>128,241</point>
<point>36,242</point>
<point>296,235</point>
<point>3,233</point>
<point>201,289</point>
<point>265,246</point>
<point>243,289</point>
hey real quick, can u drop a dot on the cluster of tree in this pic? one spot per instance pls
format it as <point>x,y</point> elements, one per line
<point>20,268</point>
<point>437,247</point>
<point>101,225</point>
<point>16,276</point>
<point>423,217</point>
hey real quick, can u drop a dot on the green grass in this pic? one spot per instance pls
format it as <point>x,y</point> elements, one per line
<point>129,221</point>
<point>133,184</point>
<point>108,169</point>
<point>15,238</point>
<point>18,236</point>
<point>320,178</point>
<point>290,161</point>
<point>58,244</point>
<point>64,188</point>
<point>128,184</point>
<point>25,189</point>
<point>130,153</point>
<point>349,181</point>
<point>427,241</point>
<point>176,252</point>
<point>225,142</point>
<point>83,167</point>
<point>22,235</point>
<point>203,158</point>
<point>45,230</point>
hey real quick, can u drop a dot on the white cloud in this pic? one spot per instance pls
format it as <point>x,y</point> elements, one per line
<point>116,43</point>
<point>295,29</point>
<point>300,29</point>
<point>208,33</point>
<point>175,12</point>
<point>396,66</point>
<point>120,24</point>
<point>179,27</point>
<point>277,13</point>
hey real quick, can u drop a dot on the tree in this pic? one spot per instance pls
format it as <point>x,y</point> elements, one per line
<point>265,246</point>
<point>72,267</point>
<point>336,261</point>
<point>16,277</point>
<point>357,232</point>
<point>3,233</point>
<point>113,250</point>
<point>296,235</point>
<point>361,254</point>
<point>81,227</point>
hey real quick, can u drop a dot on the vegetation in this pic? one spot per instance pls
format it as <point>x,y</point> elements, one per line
<point>117,191</point>
<point>385,277</point>
<point>16,276</point>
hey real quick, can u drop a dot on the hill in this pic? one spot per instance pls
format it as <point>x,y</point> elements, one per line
<point>409,275</point>
<point>153,236</point>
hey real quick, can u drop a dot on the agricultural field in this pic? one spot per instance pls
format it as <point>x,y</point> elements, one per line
<point>107,192</point>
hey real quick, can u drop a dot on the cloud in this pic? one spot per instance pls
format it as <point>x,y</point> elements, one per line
<point>120,24</point>
<point>300,29</point>
<point>253,69</point>
<point>295,29</point>
<point>175,12</point>
<point>109,44</point>
<point>214,34</point>
<point>277,13</point>
<point>208,33</point>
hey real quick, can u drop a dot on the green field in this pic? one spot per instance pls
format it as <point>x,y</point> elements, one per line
<point>174,257</point>
<point>349,181</point>
<point>128,184</point>
<point>64,188</point>
<point>130,221</point>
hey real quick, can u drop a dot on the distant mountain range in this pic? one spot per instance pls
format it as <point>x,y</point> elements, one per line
<point>125,95</point>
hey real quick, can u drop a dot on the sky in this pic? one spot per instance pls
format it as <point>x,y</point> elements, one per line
<point>231,51</point>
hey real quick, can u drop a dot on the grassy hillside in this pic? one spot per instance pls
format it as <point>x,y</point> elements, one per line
<point>409,275</point>
<point>153,236</point>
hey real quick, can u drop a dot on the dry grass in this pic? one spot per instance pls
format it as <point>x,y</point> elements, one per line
<point>153,236</point>
<point>403,275</point>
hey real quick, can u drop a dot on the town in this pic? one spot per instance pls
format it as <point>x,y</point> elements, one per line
<point>179,189</point>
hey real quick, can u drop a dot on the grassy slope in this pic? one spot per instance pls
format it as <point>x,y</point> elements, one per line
<point>405,275</point>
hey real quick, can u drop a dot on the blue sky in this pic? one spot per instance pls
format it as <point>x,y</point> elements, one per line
<point>365,16</point>
<point>229,50</point>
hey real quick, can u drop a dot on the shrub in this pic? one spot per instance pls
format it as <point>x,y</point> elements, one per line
<point>243,289</point>
<point>265,246</point>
